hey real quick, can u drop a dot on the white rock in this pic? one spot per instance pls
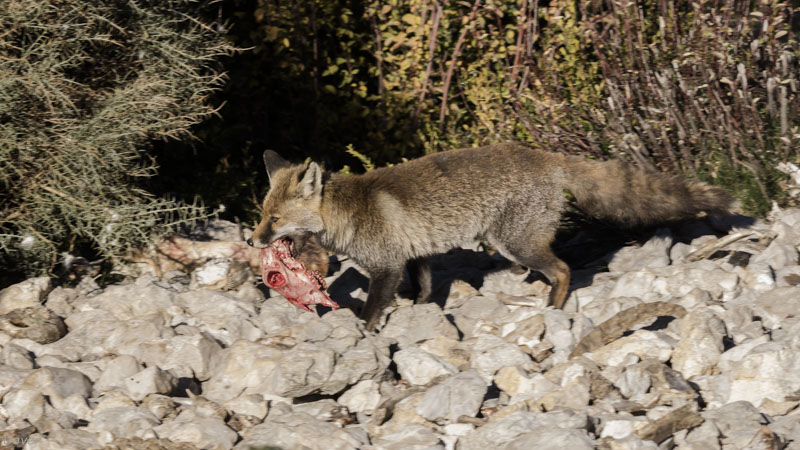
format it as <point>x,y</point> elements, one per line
<point>252,368</point>
<point>515,381</point>
<point>507,282</point>
<point>554,439</point>
<point>460,289</point>
<point>787,427</point>
<point>757,276</point>
<point>325,409</point>
<point>767,371</point>
<point>776,305</point>
<point>252,405</point>
<point>63,439</point>
<point>111,400</point>
<point>412,437</point>
<point>278,315</point>
<point>574,396</point>
<point>631,442</point>
<point>420,367</point>
<point>297,430</point>
<point>77,405</point>
<point>90,369</point>
<point>737,422</point>
<point>557,330</point>
<point>695,297</point>
<point>220,314</point>
<point>526,328</point>
<point>704,275</point>
<point>96,333</point>
<point>204,432</point>
<point>127,422</point>
<point>457,429</point>
<point>60,299</point>
<point>779,254</point>
<point>338,330</point>
<point>239,368</point>
<point>679,251</point>
<point>491,353</point>
<point>634,284</point>
<point>654,253</point>
<point>788,335</point>
<point>17,357</point>
<point>788,276</point>
<point>478,315</point>
<point>459,395</point>
<point>25,404</point>
<point>368,360</point>
<point>619,426</point>
<point>28,293</point>
<point>700,346</point>
<point>363,397</point>
<point>705,436</point>
<point>642,343</point>
<point>601,310</point>
<point>301,370</point>
<point>151,380</point>
<point>160,405</point>
<point>449,349</point>
<point>417,323</point>
<point>11,377</point>
<point>551,424</point>
<point>58,383</point>
<point>774,409</point>
<point>634,382</point>
<point>139,300</point>
<point>115,373</point>
<point>185,356</point>
<point>404,414</point>
<point>223,274</point>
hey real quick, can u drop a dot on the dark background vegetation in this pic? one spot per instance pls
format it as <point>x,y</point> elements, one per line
<point>708,89</point>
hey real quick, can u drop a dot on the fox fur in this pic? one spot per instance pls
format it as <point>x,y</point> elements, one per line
<point>510,195</point>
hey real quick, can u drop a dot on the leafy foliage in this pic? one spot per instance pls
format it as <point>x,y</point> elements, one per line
<point>689,87</point>
<point>84,87</point>
<point>700,87</point>
<point>93,93</point>
<point>703,88</point>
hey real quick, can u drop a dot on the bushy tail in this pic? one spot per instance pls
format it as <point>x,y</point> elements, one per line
<point>616,191</point>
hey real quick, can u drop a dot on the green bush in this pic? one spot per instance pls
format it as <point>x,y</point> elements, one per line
<point>85,86</point>
<point>707,89</point>
<point>699,88</point>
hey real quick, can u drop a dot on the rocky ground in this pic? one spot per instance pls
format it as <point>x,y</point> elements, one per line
<point>679,345</point>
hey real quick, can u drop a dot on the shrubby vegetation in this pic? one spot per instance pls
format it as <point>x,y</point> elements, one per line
<point>704,88</point>
<point>84,87</point>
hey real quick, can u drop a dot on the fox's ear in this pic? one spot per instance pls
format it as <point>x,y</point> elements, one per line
<point>311,183</point>
<point>273,162</point>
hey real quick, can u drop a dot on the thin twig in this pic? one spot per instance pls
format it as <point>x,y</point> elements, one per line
<point>451,68</point>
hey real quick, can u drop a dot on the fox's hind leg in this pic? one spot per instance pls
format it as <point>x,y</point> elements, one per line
<point>419,273</point>
<point>557,272</point>
<point>530,246</point>
<point>382,286</point>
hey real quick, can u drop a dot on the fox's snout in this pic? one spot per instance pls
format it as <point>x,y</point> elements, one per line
<point>257,243</point>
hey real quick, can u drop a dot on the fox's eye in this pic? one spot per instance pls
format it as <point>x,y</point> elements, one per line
<point>273,219</point>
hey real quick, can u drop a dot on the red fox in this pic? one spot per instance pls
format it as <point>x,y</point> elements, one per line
<point>509,195</point>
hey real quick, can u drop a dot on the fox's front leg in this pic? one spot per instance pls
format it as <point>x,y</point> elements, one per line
<point>382,286</point>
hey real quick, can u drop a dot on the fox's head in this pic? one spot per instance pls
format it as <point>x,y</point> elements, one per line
<point>292,205</point>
